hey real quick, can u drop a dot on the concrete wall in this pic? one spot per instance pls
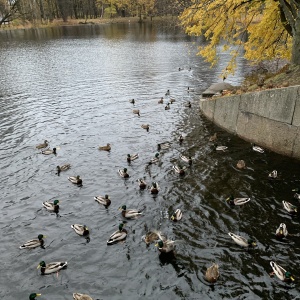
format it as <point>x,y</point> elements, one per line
<point>268,118</point>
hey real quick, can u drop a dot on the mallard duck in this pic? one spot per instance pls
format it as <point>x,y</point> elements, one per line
<point>75,179</point>
<point>273,174</point>
<point>167,93</point>
<point>220,148</point>
<point>241,164</point>
<point>39,242</point>
<point>153,236</point>
<point>188,104</point>
<point>136,112</point>
<point>213,137</point>
<point>180,139</point>
<point>123,173</point>
<point>52,206</point>
<point>145,126</point>
<point>166,246</point>
<point>172,100</point>
<point>292,209</point>
<point>103,200</point>
<point>155,159</point>
<point>33,296</point>
<point>177,215</point>
<point>154,188</point>
<point>190,89</point>
<point>43,145</point>
<point>132,101</point>
<point>296,195</point>
<point>163,146</point>
<point>281,273</point>
<point>161,101</point>
<point>179,169</point>
<point>63,168</point>
<point>241,241</point>
<point>49,151</point>
<point>212,273</point>
<point>118,235</point>
<point>130,213</point>
<point>142,183</point>
<point>78,296</point>
<point>167,107</point>
<point>132,157</point>
<point>187,159</point>
<point>105,148</point>
<point>281,231</point>
<point>51,267</point>
<point>257,149</point>
<point>237,201</point>
<point>81,229</point>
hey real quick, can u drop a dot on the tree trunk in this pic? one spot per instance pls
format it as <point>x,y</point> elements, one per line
<point>296,42</point>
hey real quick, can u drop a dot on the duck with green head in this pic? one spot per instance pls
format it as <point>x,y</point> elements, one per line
<point>187,159</point>
<point>281,231</point>
<point>34,243</point>
<point>33,296</point>
<point>130,214</point>
<point>237,201</point>
<point>62,168</point>
<point>49,151</point>
<point>154,188</point>
<point>103,200</point>
<point>123,173</point>
<point>81,229</point>
<point>118,235</point>
<point>179,169</point>
<point>75,179</point>
<point>241,241</point>
<point>131,157</point>
<point>51,267</point>
<point>52,206</point>
<point>281,273</point>
<point>177,215</point>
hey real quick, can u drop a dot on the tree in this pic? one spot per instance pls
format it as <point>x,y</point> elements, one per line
<point>266,29</point>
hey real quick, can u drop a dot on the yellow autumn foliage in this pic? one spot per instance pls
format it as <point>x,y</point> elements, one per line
<point>252,26</point>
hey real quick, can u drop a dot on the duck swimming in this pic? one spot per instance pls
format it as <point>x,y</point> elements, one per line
<point>81,229</point>
<point>130,214</point>
<point>165,246</point>
<point>39,242</point>
<point>213,137</point>
<point>273,174</point>
<point>163,146</point>
<point>212,274</point>
<point>153,236</point>
<point>167,107</point>
<point>145,126</point>
<point>167,93</point>
<point>51,267</point>
<point>257,149</point>
<point>292,209</point>
<point>52,206</point>
<point>241,241</point>
<point>179,169</point>
<point>241,164</point>
<point>63,168</point>
<point>142,183</point>
<point>136,111</point>
<point>281,231</point>
<point>132,101</point>
<point>33,296</point>
<point>281,273</point>
<point>132,157</point>
<point>75,179</point>
<point>237,201</point>
<point>123,173</point>
<point>177,215</point>
<point>161,101</point>
<point>118,235</point>
<point>43,145</point>
<point>105,148</point>
<point>49,151</point>
<point>187,159</point>
<point>78,296</point>
<point>220,148</point>
<point>154,188</point>
<point>103,200</point>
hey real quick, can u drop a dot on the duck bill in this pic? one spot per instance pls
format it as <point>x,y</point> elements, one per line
<point>38,295</point>
<point>292,278</point>
<point>38,266</point>
<point>253,244</point>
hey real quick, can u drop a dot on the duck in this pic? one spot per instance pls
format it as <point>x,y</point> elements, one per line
<point>297,194</point>
<point>237,201</point>
<point>52,206</point>
<point>118,235</point>
<point>172,100</point>
<point>177,215</point>
<point>180,139</point>
<point>142,183</point>
<point>78,296</point>
<point>75,179</point>
<point>145,126</point>
<point>241,241</point>
<point>43,145</point>
<point>136,112</point>
<point>213,137</point>
<point>257,149</point>
<point>220,148</point>
<point>105,148</point>
<point>212,273</point>
<point>190,89</point>
<point>187,159</point>
<point>155,159</point>
<point>188,104</point>
<point>123,173</point>
<point>33,296</point>
<point>103,200</point>
<point>161,100</point>
<point>273,174</point>
<point>163,146</point>
<point>52,267</point>
<point>153,236</point>
<point>154,188</point>
<point>49,151</point>
<point>241,164</point>
<point>179,169</point>
<point>167,107</point>
<point>132,101</point>
<point>63,168</point>
<point>281,231</point>
<point>130,214</point>
<point>81,229</point>
<point>292,209</point>
<point>166,246</point>
<point>34,243</point>
<point>132,157</point>
<point>167,93</point>
<point>281,273</point>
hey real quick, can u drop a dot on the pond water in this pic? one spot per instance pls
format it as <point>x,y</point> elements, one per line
<point>72,86</point>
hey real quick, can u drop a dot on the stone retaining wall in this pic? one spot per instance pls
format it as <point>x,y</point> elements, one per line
<point>269,118</point>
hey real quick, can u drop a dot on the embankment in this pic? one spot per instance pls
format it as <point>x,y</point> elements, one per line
<point>269,118</point>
